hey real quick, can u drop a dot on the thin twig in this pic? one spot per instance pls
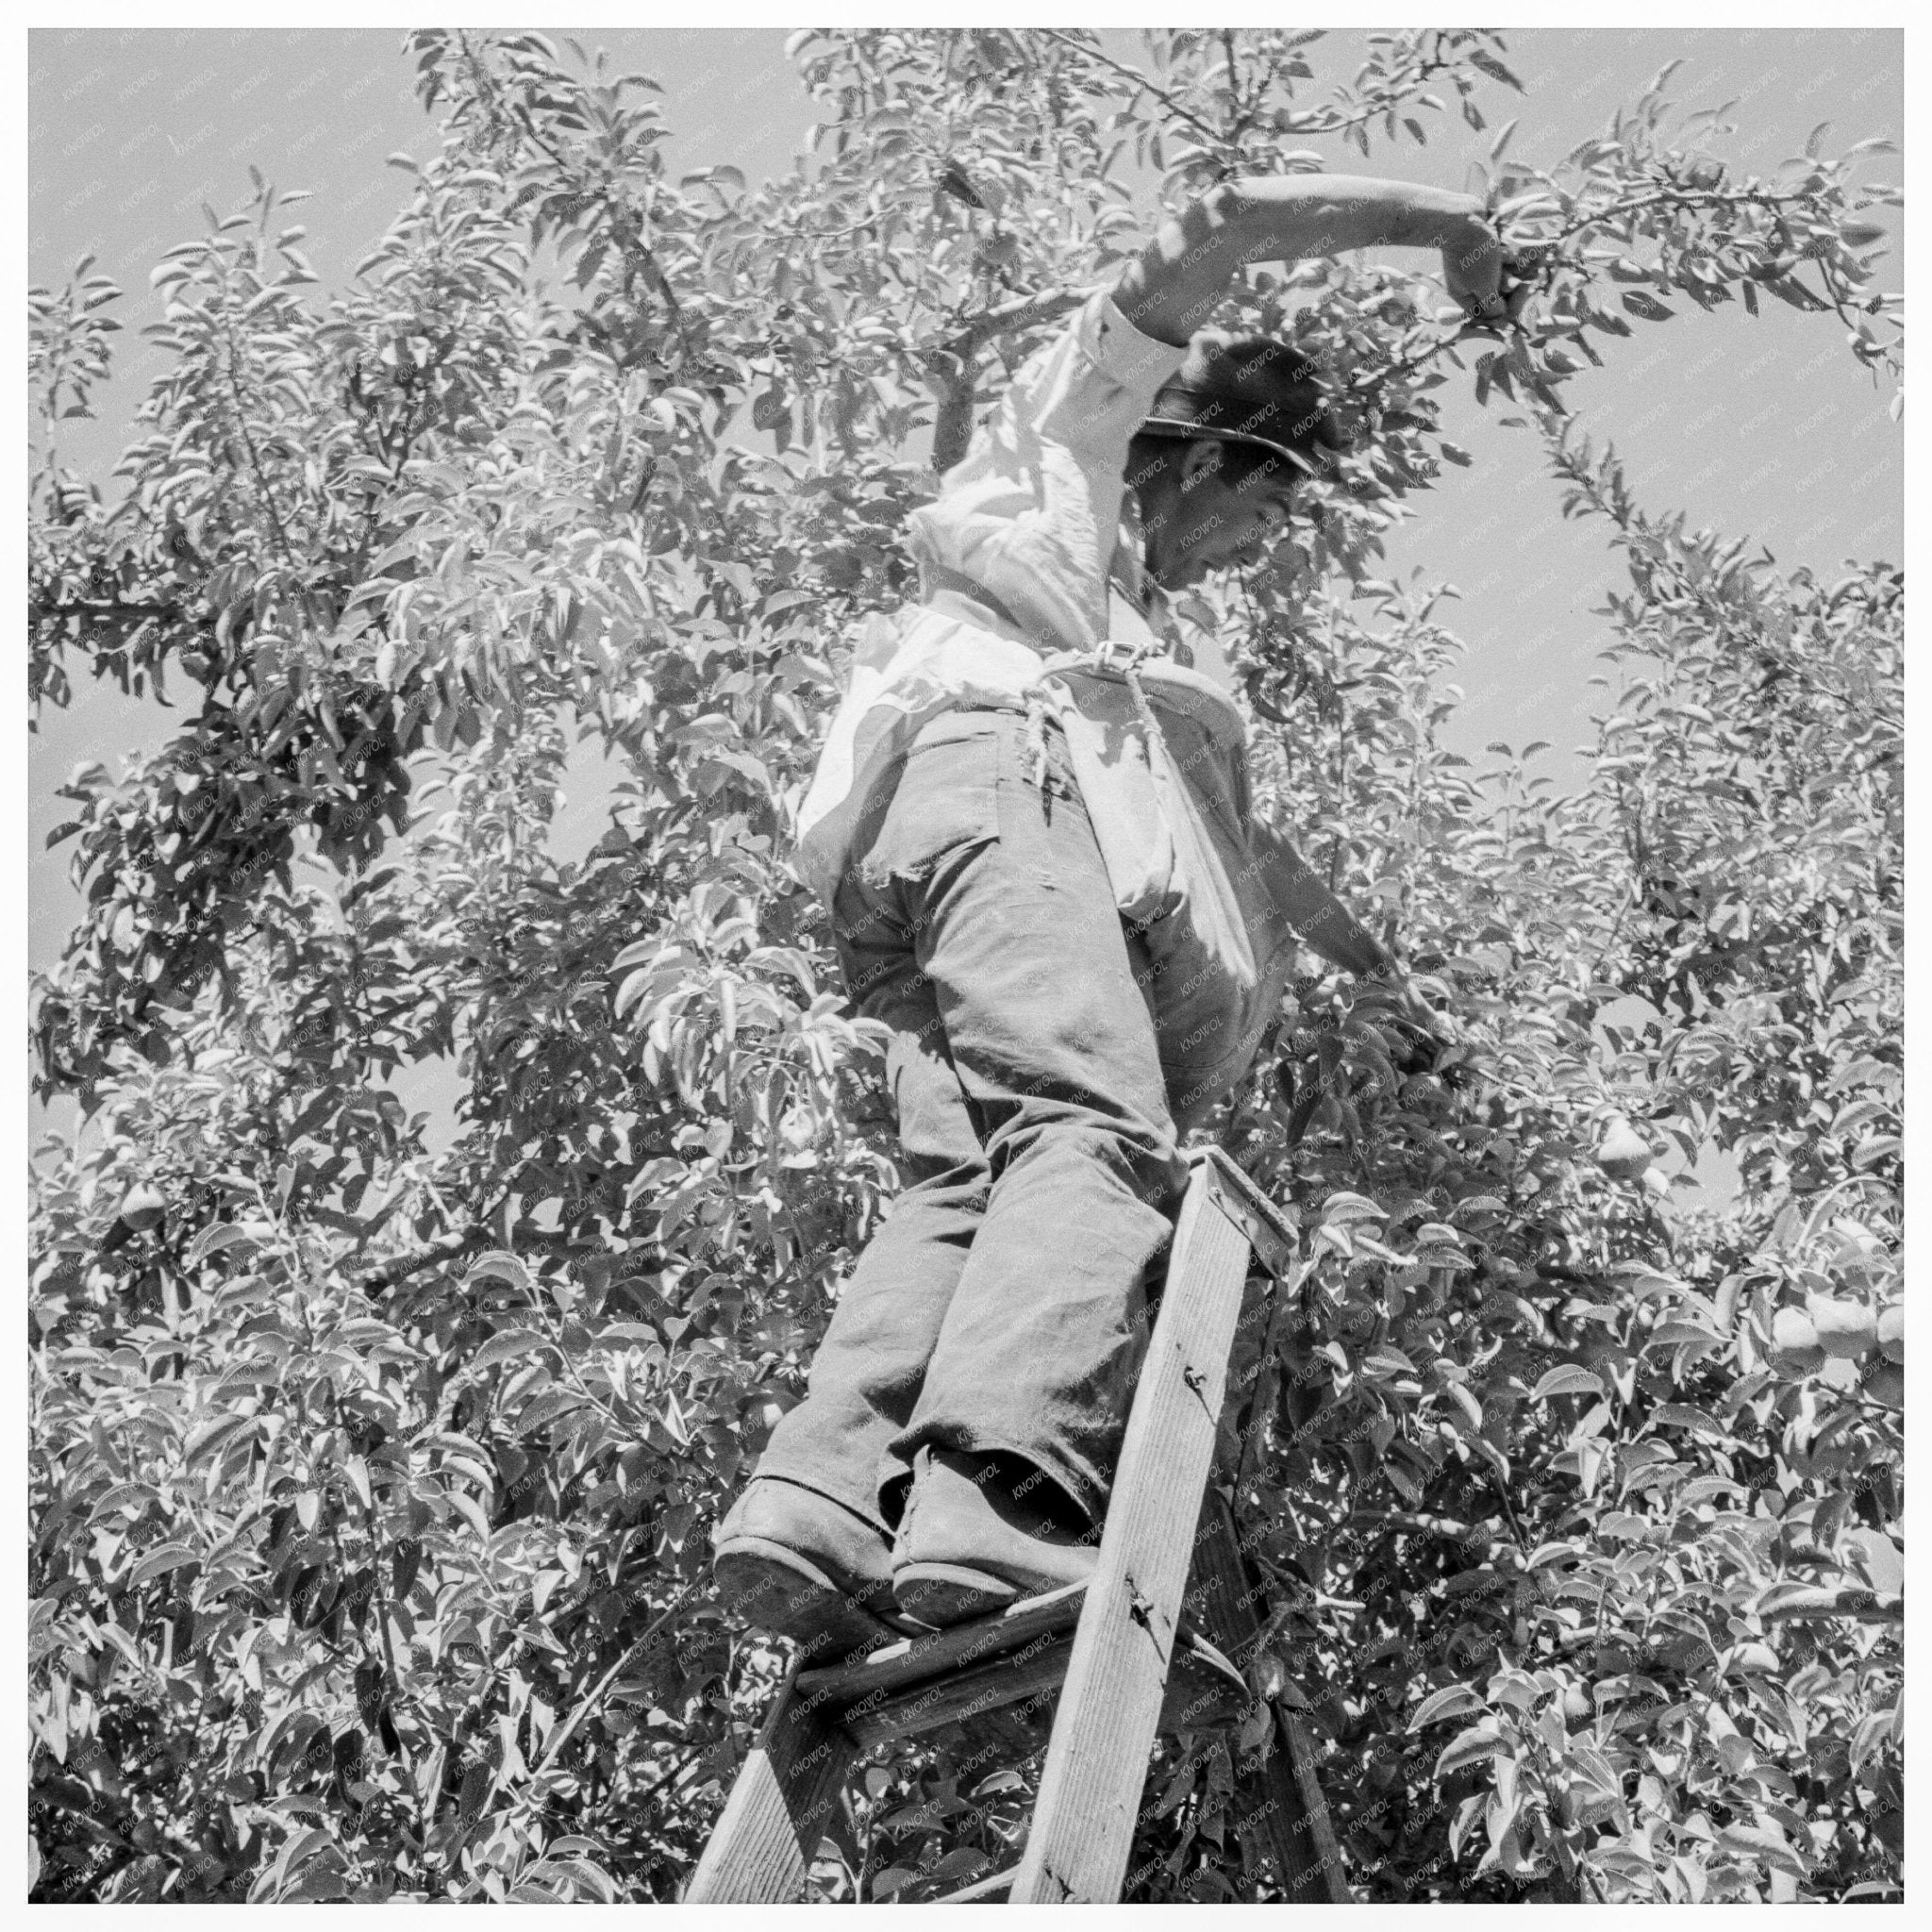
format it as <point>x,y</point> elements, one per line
<point>568,1728</point>
<point>253,459</point>
<point>1235,116</point>
<point>1139,79</point>
<point>1749,197</point>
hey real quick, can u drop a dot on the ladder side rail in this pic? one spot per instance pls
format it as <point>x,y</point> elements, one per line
<point>1096,1765</point>
<point>1279,1792</point>
<point>761,1848</point>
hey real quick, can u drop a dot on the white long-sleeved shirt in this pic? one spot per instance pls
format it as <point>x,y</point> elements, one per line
<point>1039,517</point>
<point>1038,514</point>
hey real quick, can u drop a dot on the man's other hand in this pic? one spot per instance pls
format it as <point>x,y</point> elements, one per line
<point>1472,270</point>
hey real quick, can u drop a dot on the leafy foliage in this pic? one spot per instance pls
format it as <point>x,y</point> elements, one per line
<point>371,1482</point>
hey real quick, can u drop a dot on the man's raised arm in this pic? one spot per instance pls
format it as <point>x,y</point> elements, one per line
<point>1169,290</point>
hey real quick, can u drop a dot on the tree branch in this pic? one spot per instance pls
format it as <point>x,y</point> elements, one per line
<point>39,609</point>
<point>1140,80</point>
<point>954,387</point>
<point>446,1249</point>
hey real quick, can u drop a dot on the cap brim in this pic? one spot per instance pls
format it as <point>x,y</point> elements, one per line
<point>1199,432</point>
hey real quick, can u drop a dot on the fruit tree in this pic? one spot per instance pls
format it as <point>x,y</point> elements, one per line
<point>371,1476</point>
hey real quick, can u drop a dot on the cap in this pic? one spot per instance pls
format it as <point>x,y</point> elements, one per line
<point>1248,389</point>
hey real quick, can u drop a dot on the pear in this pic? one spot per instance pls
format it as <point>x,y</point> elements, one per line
<point>1886,1382</point>
<point>142,1207</point>
<point>1622,1153</point>
<point>761,1414</point>
<point>1892,1332</point>
<point>1844,1328</point>
<point>1794,1342</point>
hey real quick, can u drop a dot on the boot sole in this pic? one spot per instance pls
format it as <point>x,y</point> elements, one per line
<point>943,1594</point>
<point>773,1588</point>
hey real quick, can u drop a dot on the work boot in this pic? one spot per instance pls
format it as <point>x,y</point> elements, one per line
<point>980,1533</point>
<point>797,1563</point>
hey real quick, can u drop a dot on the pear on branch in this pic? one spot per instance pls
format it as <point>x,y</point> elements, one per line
<point>1794,1342</point>
<point>1844,1327</point>
<point>142,1207</point>
<point>1885,1382</point>
<point>1622,1152</point>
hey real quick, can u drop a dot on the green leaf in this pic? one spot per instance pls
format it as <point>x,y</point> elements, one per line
<point>161,1561</point>
<point>1764,1843</point>
<point>1453,1700</point>
<point>1647,307</point>
<point>1489,64</point>
<point>212,1437</point>
<point>1482,1204</point>
<point>1683,1416</point>
<point>405,1561</point>
<point>133,1497</point>
<point>1345,1206</point>
<point>999,1781</point>
<point>215,1239</point>
<point>498,1266</point>
<point>1677,1332</point>
<point>506,1345</point>
<point>1470,1747</point>
<point>1566,1378</point>
<point>544,1409</point>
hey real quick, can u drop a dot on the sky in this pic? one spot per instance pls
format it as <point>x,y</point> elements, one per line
<point>1766,427</point>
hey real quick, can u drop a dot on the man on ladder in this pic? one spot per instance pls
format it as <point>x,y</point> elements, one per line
<point>1043,877</point>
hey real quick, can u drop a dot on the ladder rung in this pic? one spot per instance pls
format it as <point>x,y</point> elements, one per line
<point>920,1683</point>
<point>1270,1233</point>
<point>1118,1655</point>
<point>915,1661</point>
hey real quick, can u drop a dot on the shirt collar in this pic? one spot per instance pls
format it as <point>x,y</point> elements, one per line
<point>1129,570</point>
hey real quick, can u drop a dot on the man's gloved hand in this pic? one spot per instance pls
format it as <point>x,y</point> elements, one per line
<point>1472,273</point>
<point>1518,278</point>
<point>1434,1032</point>
<point>1426,1033</point>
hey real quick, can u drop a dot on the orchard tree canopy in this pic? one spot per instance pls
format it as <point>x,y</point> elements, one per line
<point>371,1479</point>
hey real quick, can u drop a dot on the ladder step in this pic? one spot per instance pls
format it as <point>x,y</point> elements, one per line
<point>1119,1656</point>
<point>920,1683</point>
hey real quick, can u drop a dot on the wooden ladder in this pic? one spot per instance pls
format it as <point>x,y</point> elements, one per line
<point>1129,1659</point>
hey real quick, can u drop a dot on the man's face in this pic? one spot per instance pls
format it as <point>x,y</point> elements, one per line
<point>1205,526</point>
